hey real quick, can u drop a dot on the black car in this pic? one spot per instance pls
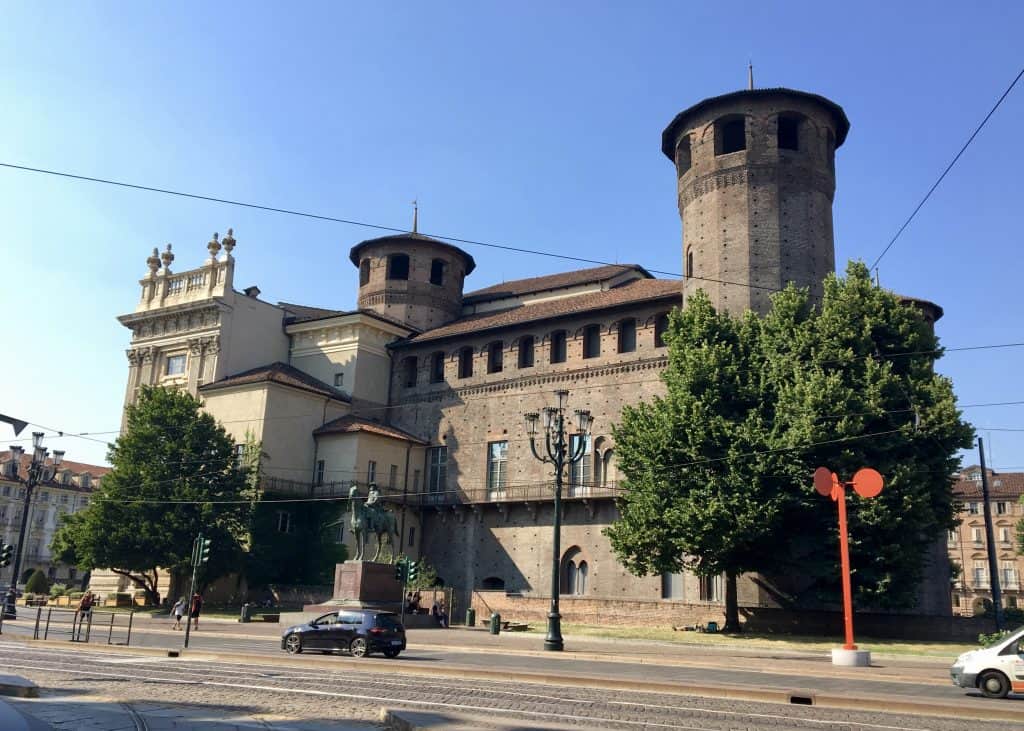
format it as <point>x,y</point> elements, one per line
<point>356,631</point>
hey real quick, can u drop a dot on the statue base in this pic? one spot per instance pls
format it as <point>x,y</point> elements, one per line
<point>363,585</point>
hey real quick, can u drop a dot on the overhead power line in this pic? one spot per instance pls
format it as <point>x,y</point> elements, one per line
<point>948,168</point>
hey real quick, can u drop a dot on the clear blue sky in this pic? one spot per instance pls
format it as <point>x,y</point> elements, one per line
<point>532,124</point>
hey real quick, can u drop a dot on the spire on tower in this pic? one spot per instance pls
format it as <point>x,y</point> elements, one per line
<point>415,216</point>
<point>750,74</point>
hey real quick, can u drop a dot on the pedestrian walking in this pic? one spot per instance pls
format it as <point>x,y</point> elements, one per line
<point>176,611</point>
<point>197,606</point>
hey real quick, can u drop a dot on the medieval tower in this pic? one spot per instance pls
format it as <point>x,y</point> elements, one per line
<point>756,178</point>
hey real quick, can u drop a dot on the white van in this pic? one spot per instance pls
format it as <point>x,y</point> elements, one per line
<point>995,671</point>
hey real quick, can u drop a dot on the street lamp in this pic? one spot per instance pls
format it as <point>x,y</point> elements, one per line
<point>557,454</point>
<point>38,471</point>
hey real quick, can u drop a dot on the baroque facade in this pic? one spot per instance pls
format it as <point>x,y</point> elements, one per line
<point>67,492</point>
<point>422,388</point>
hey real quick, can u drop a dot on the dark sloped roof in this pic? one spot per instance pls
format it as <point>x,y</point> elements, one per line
<point>413,239</point>
<point>635,292</point>
<point>671,133</point>
<point>302,313</point>
<point>551,281</point>
<point>1000,485</point>
<point>349,424</point>
<point>282,373</point>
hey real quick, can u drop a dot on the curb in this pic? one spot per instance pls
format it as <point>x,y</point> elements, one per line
<point>405,720</point>
<point>795,696</point>
<point>16,686</point>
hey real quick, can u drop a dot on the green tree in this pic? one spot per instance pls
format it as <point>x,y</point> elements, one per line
<point>37,583</point>
<point>718,471</point>
<point>174,475</point>
<point>294,542</point>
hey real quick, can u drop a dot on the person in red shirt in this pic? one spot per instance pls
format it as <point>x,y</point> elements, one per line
<point>194,609</point>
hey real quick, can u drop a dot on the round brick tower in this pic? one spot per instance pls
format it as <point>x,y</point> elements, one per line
<point>412,279</point>
<point>756,177</point>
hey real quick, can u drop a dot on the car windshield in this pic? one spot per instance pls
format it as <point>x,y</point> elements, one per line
<point>388,621</point>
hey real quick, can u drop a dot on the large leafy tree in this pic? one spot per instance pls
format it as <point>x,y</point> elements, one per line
<point>175,475</point>
<point>718,471</point>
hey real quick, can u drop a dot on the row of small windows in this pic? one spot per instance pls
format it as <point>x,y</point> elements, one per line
<point>731,136</point>
<point>398,268</point>
<point>626,343</point>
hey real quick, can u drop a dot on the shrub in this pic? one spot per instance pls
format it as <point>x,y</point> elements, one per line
<point>992,639</point>
<point>37,583</point>
<point>76,595</point>
<point>58,590</point>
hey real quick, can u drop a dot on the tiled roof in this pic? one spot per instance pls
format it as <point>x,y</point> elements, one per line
<point>636,292</point>
<point>76,468</point>
<point>301,313</point>
<point>349,424</point>
<point>1000,485</point>
<point>551,281</point>
<point>279,373</point>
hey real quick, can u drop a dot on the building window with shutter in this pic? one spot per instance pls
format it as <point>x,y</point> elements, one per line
<point>497,468</point>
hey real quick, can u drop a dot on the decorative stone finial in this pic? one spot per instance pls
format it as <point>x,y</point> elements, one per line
<point>167,258</point>
<point>229,241</point>
<point>153,262</point>
<point>214,246</point>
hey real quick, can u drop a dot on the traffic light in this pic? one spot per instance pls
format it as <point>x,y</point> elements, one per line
<point>204,549</point>
<point>402,570</point>
<point>414,570</point>
<point>6,551</point>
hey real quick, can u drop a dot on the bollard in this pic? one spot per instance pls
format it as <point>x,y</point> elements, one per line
<point>471,617</point>
<point>495,623</point>
<point>246,615</point>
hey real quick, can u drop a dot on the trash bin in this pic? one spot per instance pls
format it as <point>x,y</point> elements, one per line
<point>712,627</point>
<point>471,617</point>
<point>246,613</point>
<point>495,623</point>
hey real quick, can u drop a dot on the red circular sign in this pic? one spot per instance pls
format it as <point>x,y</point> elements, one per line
<point>823,481</point>
<point>867,482</point>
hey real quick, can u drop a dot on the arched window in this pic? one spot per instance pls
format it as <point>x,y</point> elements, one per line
<point>465,362</point>
<point>570,570</point>
<point>364,272</point>
<point>788,132</point>
<point>410,368</point>
<point>493,583</point>
<point>558,346</point>
<point>526,351</point>
<point>660,328</point>
<point>437,267</point>
<point>683,155</point>
<point>581,578</point>
<point>495,357</point>
<point>437,367</point>
<point>730,134</point>
<point>570,578</point>
<point>689,262</point>
<point>609,474</point>
<point>592,341</point>
<point>627,335</point>
<point>398,266</point>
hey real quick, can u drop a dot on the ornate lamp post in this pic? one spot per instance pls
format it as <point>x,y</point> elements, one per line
<point>38,471</point>
<point>556,453</point>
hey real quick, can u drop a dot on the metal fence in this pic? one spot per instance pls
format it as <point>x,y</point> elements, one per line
<point>113,628</point>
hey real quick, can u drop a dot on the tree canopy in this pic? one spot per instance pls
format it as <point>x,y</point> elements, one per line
<point>718,471</point>
<point>175,474</point>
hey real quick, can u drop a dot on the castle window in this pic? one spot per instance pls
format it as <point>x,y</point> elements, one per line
<point>671,586</point>
<point>398,266</point>
<point>437,469</point>
<point>495,357</point>
<point>437,367</point>
<point>788,135</point>
<point>730,135</point>
<point>437,272</point>
<point>493,583</point>
<point>526,351</point>
<point>410,368</point>
<point>689,262</point>
<point>558,346</point>
<point>592,341</point>
<point>627,335</point>
<point>364,272</point>
<point>465,362</point>
<point>683,156</point>
<point>497,468</point>
<point>660,328</point>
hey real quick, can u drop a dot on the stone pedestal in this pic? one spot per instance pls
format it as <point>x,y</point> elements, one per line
<point>851,658</point>
<point>363,584</point>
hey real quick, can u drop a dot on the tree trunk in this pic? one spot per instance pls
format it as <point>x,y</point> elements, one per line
<point>732,609</point>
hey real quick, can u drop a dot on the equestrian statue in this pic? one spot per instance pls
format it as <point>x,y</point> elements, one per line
<point>369,516</point>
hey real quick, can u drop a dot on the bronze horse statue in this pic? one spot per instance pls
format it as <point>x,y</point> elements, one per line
<point>368,517</point>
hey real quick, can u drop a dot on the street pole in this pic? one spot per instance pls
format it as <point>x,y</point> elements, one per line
<point>844,560</point>
<point>37,472</point>
<point>993,565</point>
<point>192,587</point>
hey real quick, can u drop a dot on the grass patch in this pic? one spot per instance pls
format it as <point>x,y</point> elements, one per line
<point>762,641</point>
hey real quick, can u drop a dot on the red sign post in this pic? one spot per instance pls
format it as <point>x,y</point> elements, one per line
<point>867,483</point>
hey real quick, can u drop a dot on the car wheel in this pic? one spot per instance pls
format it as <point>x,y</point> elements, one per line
<point>993,684</point>
<point>293,644</point>
<point>358,647</point>
<point>391,653</point>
